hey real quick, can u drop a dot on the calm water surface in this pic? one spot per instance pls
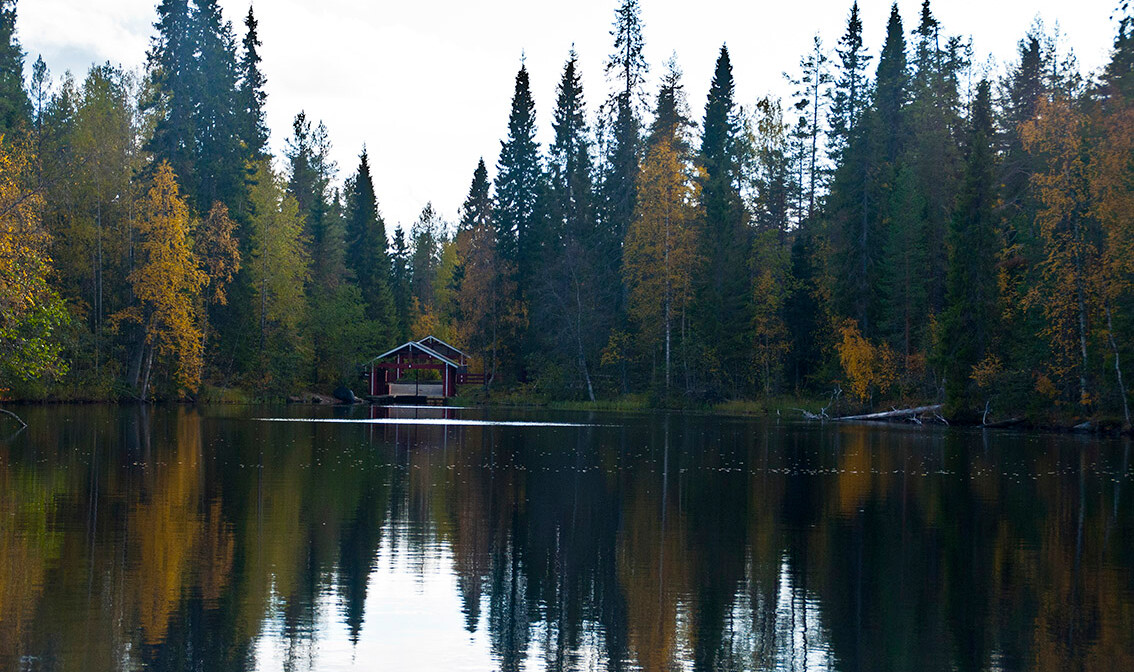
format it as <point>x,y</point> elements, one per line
<point>212,539</point>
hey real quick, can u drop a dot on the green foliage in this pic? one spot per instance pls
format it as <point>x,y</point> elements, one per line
<point>15,107</point>
<point>367,255</point>
<point>979,247</point>
<point>724,310</point>
<point>278,271</point>
<point>968,326</point>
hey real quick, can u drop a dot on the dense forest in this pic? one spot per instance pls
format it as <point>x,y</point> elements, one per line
<point>909,226</point>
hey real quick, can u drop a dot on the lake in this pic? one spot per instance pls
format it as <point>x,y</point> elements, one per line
<point>308,538</point>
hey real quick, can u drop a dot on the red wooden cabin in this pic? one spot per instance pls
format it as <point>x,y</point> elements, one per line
<point>430,353</point>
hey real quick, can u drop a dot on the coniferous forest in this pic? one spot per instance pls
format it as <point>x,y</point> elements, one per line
<point>908,227</point>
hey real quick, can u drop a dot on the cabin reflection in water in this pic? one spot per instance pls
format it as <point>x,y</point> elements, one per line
<point>170,538</point>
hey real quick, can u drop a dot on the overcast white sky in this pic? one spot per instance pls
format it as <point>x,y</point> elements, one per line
<point>427,85</point>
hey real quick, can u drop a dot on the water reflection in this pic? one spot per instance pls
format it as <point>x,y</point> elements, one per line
<point>178,539</point>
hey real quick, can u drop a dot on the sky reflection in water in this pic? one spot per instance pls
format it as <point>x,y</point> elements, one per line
<point>176,538</point>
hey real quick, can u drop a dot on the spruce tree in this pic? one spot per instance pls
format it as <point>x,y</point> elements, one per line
<point>724,304</point>
<point>173,72</point>
<point>310,173</point>
<point>851,90</point>
<point>671,121</point>
<point>1020,240</point>
<point>968,325</point>
<point>477,208</point>
<point>367,247</point>
<point>861,195</point>
<point>14,104</point>
<point>891,90</point>
<point>569,160</point>
<point>573,312</point>
<point>400,284</point>
<point>220,157</point>
<point>251,96</point>
<point>627,67</point>
<point>519,181</point>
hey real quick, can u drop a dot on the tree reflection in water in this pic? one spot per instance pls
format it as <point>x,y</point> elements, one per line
<point>173,538</point>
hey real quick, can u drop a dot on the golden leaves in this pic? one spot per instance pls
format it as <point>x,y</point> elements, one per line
<point>868,366</point>
<point>168,279</point>
<point>660,253</point>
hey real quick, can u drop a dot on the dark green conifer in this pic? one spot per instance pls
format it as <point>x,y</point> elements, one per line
<point>367,254</point>
<point>968,325</point>
<point>724,300</point>
<point>519,181</point>
<point>251,95</point>
<point>400,285</point>
<point>220,157</point>
<point>172,67</point>
<point>14,105</point>
<point>310,173</point>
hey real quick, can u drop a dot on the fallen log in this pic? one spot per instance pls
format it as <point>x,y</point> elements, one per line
<point>895,414</point>
<point>1005,423</point>
<point>18,418</point>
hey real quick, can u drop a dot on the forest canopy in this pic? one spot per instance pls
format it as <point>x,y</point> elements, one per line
<point>908,226</point>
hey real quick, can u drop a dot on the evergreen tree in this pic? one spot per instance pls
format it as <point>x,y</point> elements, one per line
<point>400,260</point>
<point>969,322</point>
<point>803,310</point>
<point>311,171</point>
<point>14,104</point>
<point>251,97</point>
<point>891,91</point>
<point>925,191</point>
<point>573,296</point>
<point>367,247</point>
<point>519,181</point>
<point>672,122</point>
<point>220,157</point>
<point>427,236</point>
<point>627,67</point>
<point>569,160</point>
<point>861,195</point>
<point>724,302</point>
<point>488,314</point>
<point>278,269</point>
<point>774,184</point>
<point>173,84</point>
<point>477,208</point>
<point>851,90</point>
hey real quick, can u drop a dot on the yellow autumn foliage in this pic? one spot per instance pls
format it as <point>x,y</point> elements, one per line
<point>168,280</point>
<point>868,367</point>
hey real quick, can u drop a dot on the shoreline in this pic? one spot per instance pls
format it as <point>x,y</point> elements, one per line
<point>786,408</point>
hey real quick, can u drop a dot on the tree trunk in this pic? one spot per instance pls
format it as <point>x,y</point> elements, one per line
<point>1117,366</point>
<point>146,378</point>
<point>898,413</point>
